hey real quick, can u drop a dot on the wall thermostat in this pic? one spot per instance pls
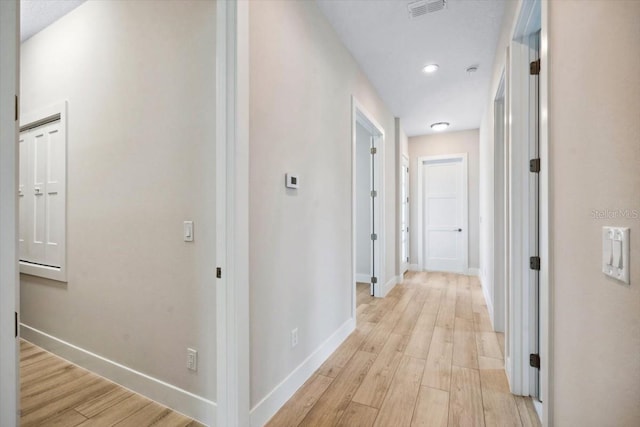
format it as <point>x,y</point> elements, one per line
<point>292,181</point>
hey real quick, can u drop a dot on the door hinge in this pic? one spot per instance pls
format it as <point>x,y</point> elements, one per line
<point>407,259</point>
<point>407,200</point>
<point>534,360</point>
<point>534,263</point>
<point>534,68</point>
<point>534,165</point>
<point>16,324</point>
<point>218,272</point>
<point>374,193</point>
<point>374,279</point>
<point>374,236</point>
<point>16,107</point>
<point>407,229</point>
<point>374,150</point>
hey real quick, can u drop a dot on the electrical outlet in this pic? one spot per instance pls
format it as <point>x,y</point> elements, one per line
<point>294,337</point>
<point>192,359</point>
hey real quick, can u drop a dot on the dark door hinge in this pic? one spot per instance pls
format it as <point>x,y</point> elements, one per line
<point>16,107</point>
<point>218,272</point>
<point>374,150</point>
<point>374,236</point>
<point>534,360</point>
<point>374,279</point>
<point>534,165</point>
<point>534,263</point>
<point>374,193</point>
<point>534,68</point>
<point>16,325</point>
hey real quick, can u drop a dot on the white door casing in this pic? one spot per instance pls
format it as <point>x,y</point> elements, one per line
<point>9,290</point>
<point>404,215</point>
<point>443,213</point>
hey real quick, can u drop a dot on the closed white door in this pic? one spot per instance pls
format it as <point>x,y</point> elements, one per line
<point>444,215</point>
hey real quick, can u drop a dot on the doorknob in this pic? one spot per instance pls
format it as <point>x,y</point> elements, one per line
<point>459,230</point>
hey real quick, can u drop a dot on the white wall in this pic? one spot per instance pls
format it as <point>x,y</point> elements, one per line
<point>487,161</point>
<point>139,79</point>
<point>439,144</point>
<point>302,80</point>
<point>594,139</point>
<point>363,203</point>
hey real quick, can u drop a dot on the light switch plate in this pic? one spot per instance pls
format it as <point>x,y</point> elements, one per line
<point>292,181</point>
<point>615,253</point>
<point>188,231</point>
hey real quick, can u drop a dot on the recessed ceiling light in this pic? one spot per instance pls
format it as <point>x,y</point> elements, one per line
<point>440,126</point>
<point>431,68</point>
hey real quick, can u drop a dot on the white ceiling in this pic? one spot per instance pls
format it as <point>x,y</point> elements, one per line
<point>391,49</point>
<point>35,15</point>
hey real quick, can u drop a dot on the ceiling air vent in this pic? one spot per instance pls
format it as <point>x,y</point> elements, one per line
<point>419,8</point>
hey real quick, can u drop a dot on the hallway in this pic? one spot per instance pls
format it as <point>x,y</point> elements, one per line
<point>425,355</point>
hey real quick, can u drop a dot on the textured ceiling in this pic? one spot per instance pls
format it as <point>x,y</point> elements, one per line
<point>391,49</point>
<point>35,15</point>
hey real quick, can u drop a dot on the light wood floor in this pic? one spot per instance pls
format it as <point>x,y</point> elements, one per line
<point>56,393</point>
<point>423,356</point>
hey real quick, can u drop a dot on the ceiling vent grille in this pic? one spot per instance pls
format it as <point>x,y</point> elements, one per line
<point>420,8</point>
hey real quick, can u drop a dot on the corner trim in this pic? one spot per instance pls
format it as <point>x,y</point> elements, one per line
<point>390,285</point>
<point>179,400</point>
<point>272,402</point>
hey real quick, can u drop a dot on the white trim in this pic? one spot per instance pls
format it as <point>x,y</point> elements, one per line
<point>180,400</point>
<point>391,283</point>
<point>473,272</point>
<point>272,402</point>
<point>360,115</point>
<point>488,301</point>
<point>9,290</point>
<point>545,296</point>
<point>232,212</point>
<point>404,162</point>
<point>54,273</point>
<point>363,278</point>
<point>465,214</point>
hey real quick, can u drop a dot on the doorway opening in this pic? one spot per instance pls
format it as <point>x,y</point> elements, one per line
<point>404,215</point>
<point>443,213</point>
<point>368,201</point>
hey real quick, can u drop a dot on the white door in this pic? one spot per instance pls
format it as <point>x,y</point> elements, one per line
<point>444,214</point>
<point>404,215</point>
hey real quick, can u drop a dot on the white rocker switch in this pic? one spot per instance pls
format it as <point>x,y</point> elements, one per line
<point>615,253</point>
<point>188,231</point>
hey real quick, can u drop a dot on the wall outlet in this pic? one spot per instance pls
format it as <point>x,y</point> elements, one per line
<point>192,359</point>
<point>294,337</point>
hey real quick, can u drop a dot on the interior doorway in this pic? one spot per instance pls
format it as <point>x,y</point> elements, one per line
<point>443,213</point>
<point>368,235</point>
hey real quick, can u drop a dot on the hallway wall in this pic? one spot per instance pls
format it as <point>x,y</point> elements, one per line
<point>447,143</point>
<point>140,82</point>
<point>302,79</point>
<point>594,138</point>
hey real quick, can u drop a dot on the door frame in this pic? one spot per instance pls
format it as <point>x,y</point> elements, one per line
<point>232,214</point>
<point>499,225</point>
<point>9,267</point>
<point>465,210</point>
<point>532,17</point>
<point>404,261</point>
<point>359,115</point>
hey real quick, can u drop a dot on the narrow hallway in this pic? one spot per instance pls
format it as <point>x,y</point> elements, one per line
<point>425,355</point>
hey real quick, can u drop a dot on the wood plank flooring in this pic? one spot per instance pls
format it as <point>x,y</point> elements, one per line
<point>54,392</point>
<point>425,355</point>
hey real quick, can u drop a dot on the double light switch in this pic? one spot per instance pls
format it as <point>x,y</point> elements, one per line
<point>615,253</point>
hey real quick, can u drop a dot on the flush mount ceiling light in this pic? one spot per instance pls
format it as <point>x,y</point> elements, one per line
<point>440,126</point>
<point>431,68</point>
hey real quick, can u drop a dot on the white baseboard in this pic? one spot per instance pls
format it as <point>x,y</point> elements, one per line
<point>179,400</point>
<point>488,301</point>
<point>389,285</point>
<point>267,407</point>
<point>413,267</point>
<point>363,278</point>
<point>473,272</point>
